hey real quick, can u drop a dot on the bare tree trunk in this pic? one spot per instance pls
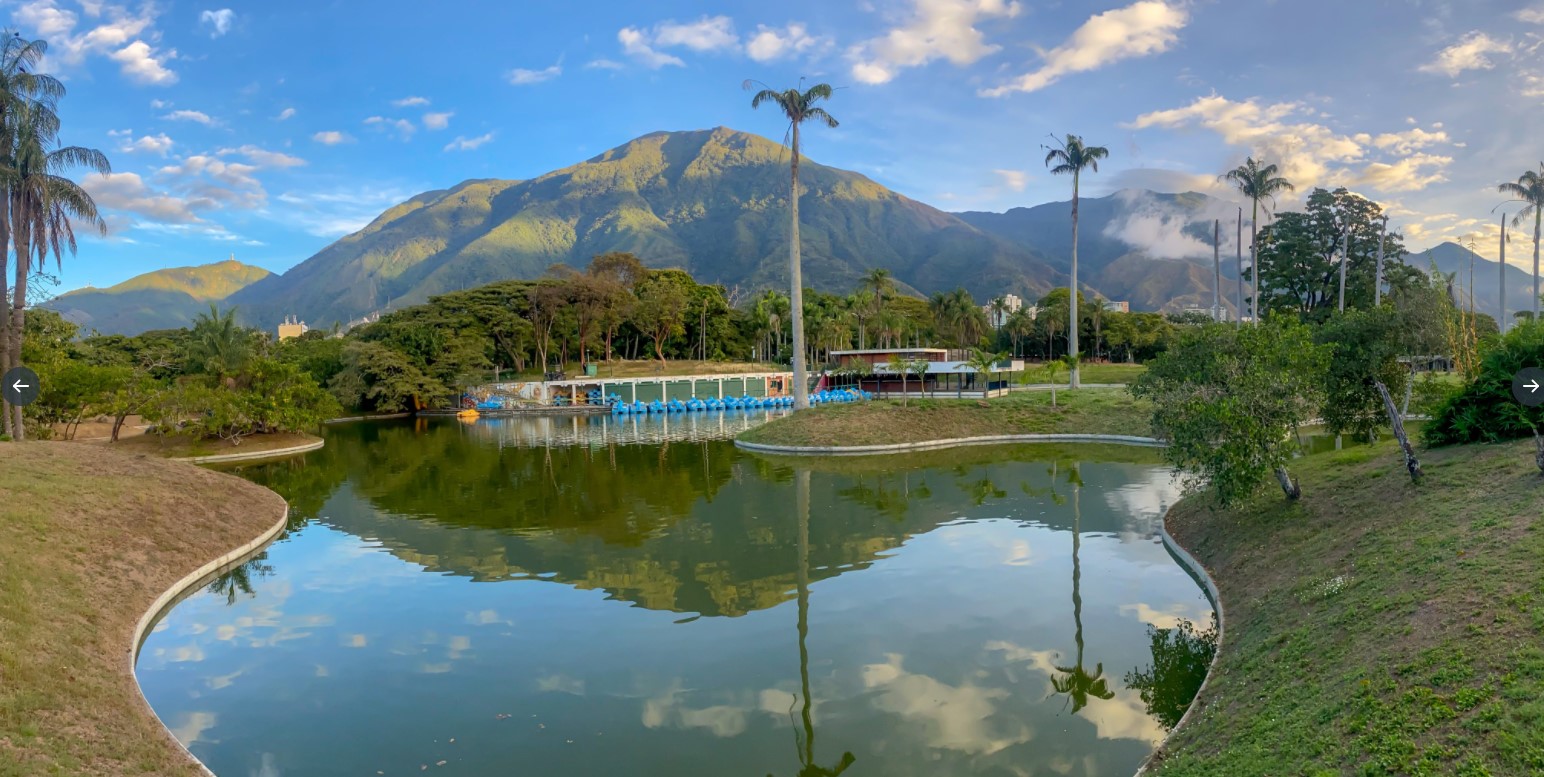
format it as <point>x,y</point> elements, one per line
<point>1217,269</point>
<point>1254,264</point>
<point>1538,452</point>
<point>19,321</point>
<point>1238,319</point>
<point>1289,484</point>
<point>801,389</point>
<point>1398,423</point>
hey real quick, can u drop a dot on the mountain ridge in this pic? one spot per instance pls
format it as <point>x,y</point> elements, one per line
<point>167,298</point>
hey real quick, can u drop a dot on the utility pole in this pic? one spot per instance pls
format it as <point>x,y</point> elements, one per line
<point>1501,287</point>
<point>1345,259</point>
<point>1217,265</point>
<point>1238,321</point>
<point>1377,278</point>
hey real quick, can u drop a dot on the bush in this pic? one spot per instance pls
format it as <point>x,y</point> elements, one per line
<point>1484,410</point>
<point>279,398</point>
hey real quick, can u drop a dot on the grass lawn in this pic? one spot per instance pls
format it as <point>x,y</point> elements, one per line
<point>1091,411</point>
<point>177,446</point>
<point>1375,627</point>
<point>1089,373</point>
<point>89,537</point>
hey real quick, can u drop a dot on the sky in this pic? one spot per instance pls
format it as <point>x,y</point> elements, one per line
<point>268,130</point>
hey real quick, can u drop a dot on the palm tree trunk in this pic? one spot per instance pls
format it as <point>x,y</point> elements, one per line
<point>1537,212</point>
<point>1239,249</point>
<point>18,312</point>
<point>801,389</point>
<point>802,498</point>
<point>1072,303</point>
<point>1254,262</point>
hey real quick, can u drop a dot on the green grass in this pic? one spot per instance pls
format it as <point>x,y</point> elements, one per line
<point>878,422</point>
<point>1376,627</point>
<point>175,446</point>
<point>89,537</point>
<point>1088,373</point>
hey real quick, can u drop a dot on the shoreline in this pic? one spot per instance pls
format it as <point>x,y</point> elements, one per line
<point>276,453</point>
<point>948,442</point>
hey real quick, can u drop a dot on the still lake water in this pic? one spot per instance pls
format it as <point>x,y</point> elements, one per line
<point>638,597</point>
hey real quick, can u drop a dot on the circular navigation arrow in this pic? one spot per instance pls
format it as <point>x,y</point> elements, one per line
<point>19,386</point>
<point>1528,386</point>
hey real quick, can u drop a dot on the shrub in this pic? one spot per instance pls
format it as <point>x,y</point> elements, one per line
<point>1484,410</point>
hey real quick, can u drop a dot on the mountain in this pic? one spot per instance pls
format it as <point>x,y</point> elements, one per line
<point>1454,258</point>
<point>1150,249</point>
<point>163,299</point>
<point>713,202</point>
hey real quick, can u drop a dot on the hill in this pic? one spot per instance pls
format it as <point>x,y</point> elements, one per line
<point>162,299</point>
<point>713,202</point>
<point>1454,258</point>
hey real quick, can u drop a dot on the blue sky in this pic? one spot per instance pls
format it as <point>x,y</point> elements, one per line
<point>268,130</point>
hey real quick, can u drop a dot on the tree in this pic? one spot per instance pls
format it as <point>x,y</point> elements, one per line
<point>898,366</point>
<point>798,107</point>
<point>1299,256</point>
<point>1228,399</point>
<point>77,390</point>
<point>1072,158</point>
<point>44,205</point>
<point>985,363</point>
<point>1052,369</point>
<point>22,88</point>
<point>1257,183</point>
<point>661,311</point>
<point>219,347</point>
<point>1484,410</point>
<point>377,377</point>
<point>1363,347</point>
<point>1529,189</point>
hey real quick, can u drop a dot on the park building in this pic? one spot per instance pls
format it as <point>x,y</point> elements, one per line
<point>292,327</point>
<point>928,372</point>
<point>1111,306</point>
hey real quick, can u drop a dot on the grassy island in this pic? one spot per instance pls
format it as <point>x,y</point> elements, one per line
<point>89,538</point>
<point>1375,627</point>
<point>885,421</point>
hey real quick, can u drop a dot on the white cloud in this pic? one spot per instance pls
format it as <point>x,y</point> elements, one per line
<point>1311,154</point>
<point>937,29</point>
<point>521,76</point>
<point>467,144</point>
<point>635,43</point>
<point>289,113</point>
<point>332,213</point>
<point>1534,15</point>
<point>153,144</point>
<point>1469,53</point>
<point>603,64</point>
<point>128,192</point>
<point>410,102</point>
<point>194,116</point>
<point>1138,30</point>
<point>121,36</point>
<point>159,104</point>
<point>771,43</point>
<point>219,22</point>
<point>332,137</point>
<point>437,121</point>
<point>1013,179</point>
<point>263,157</point>
<point>705,34</point>
<point>404,127</point>
<point>209,179</point>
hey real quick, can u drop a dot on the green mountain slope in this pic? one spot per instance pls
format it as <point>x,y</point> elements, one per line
<point>161,299</point>
<point>711,201</point>
<point>1454,258</point>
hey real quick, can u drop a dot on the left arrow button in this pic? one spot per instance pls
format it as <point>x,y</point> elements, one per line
<point>21,386</point>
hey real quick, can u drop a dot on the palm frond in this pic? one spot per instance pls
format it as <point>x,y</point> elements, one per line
<point>819,114</point>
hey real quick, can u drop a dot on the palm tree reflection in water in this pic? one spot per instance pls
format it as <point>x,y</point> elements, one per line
<point>1076,681</point>
<point>804,740</point>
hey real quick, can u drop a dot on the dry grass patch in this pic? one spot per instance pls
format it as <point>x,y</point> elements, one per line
<point>89,537</point>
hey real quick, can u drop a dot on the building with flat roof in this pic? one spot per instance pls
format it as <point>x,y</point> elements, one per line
<point>292,327</point>
<point>1012,303</point>
<point>929,372</point>
<point>1116,307</point>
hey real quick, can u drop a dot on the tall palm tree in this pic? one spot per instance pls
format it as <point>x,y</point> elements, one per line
<point>1529,190</point>
<point>1076,681</point>
<point>798,107</point>
<point>44,205</point>
<point>1071,157</point>
<point>21,86</point>
<point>1256,182</point>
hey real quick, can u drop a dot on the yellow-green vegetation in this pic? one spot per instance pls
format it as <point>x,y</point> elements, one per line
<point>1034,374</point>
<point>162,299</point>
<point>174,446</point>
<point>1375,627</point>
<point>880,422</point>
<point>89,537</point>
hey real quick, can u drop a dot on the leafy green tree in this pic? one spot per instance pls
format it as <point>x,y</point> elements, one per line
<point>376,377</point>
<point>798,107</point>
<point>283,398</point>
<point>1484,410</point>
<point>1529,190</point>
<point>1072,157</point>
<point>218,346</point>
<point>661,310</point>
<point>130,397</point>
<point>76,390</point>
<point>1228,399</point>
<point>1362,373</point>
<point>1299,256</point>
<point>1257,183</point>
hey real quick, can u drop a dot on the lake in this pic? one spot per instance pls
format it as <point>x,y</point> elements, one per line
<point>603,596</point>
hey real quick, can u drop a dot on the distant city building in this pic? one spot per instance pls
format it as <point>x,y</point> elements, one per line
<point>1011,304</point>
<point>1117,307</point>
<point>1211,312</point>
<point>292,327</point>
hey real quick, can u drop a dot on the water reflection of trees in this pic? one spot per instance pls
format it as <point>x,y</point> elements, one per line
<point>237,581</point>
<point>1076,682</point>
<point>1181,657</point>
